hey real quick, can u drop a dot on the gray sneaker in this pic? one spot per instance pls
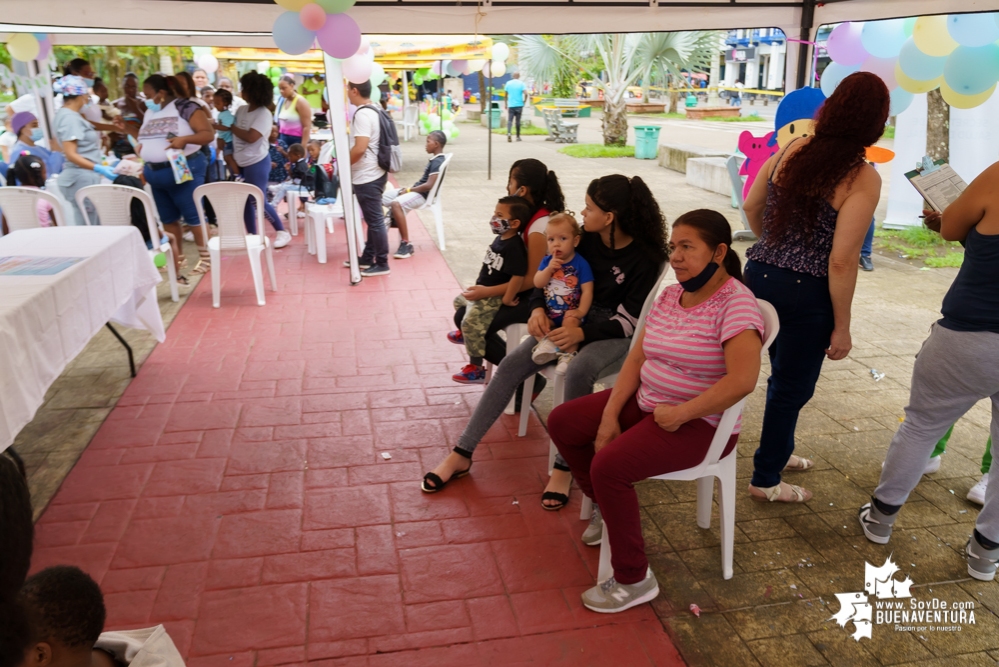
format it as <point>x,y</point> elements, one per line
<point>611,597</point>
<point>594,533</point>
<point>877,525</point>
<point>981,561</point>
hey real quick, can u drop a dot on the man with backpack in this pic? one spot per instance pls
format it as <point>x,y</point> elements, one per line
<point>374,151</point>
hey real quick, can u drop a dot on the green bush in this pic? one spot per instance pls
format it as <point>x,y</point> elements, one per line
<point>597,150</point>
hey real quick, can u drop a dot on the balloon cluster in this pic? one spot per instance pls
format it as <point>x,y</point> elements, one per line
<point>323,21</point>
<point>25,46</point>
<point>957,53</point>
<point>430,121</point>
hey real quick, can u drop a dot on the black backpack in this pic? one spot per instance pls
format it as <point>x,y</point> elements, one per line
<point>389,150</point>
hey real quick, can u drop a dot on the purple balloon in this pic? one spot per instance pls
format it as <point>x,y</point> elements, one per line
<point>844,45</point>
<point>340,37</point>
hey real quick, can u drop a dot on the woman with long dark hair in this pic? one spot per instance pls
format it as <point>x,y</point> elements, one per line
<point>624,241</point>
<point>811,213</point>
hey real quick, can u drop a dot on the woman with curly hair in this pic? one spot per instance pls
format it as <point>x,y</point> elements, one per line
<point>624,241</point>
<point>811,214</point>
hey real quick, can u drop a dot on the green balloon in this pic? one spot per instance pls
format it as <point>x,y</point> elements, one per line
<point>454,132</point>
<point>159,260</point>
<point>423,116</point>
<point>417,79</point>
<point>335,6</point>
<point>274,71</point>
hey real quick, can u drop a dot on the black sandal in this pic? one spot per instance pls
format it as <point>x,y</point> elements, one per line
<point>438,483</point>
<point>562,499</point>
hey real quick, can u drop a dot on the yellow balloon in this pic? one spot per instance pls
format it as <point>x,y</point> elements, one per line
<point>915,85</point>
<point>931,36</point>
<point>959,101</point>
<point>296,5</point>
<point>23,46</point>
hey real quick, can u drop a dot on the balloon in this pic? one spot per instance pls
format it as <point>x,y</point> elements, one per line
<point>844,45</point>
<point>475,65</point>
<point>436,69</point>
<point>445,68</point>
<point>209,63</point>
<point>498,69</point>
<point>44,47</point>
<point>262,66</point>
<point>971,30</point>
<point>883,39</point>
<point>312,16</point>
<point>23,46</point>
<point>501,52</point>
<point>356,69</point>
<point>335,6</point>
<point>971,70</point>
<point>417,79</point>
<point>964,101</point>
<point>907,26</point>
<point>340,36</point>
<point>459,67</point>
<point>833,74</point>
<point>290,36</point>
<point>454,132</point>
<point>377,75</point>
<point>915,85</point>
<point>293,5</point>
<point>159,260</point>
<point>884,68</point>
<point>368,54</point>
<point>917,65</point>
<point>931,36</point>
<point>900,100</point>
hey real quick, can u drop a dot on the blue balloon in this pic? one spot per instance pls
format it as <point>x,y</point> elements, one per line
<point>833,74</point>
<point>290,36</point>
<point>972,30</point>
<point>899,101</point>
<point>971,70</point>
<point>917,65</point>
<point>883,39</point>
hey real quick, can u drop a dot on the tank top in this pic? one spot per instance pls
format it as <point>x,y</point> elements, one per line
<point>288,120</point>
<point>796,250</point>
<point>972,302</point>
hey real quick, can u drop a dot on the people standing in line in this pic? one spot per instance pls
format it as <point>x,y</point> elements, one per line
<point>294,115</point>
<point>811,213</point>
<point>132,109</point>
<point>955,368</point>
<point>401,201</point>
<point>515,94</point>
<point>368,178</point>
<point>251,132</point>
<point>25,128</point>
<point>81,144</point>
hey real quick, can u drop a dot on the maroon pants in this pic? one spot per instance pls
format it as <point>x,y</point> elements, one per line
<point>643,450</point>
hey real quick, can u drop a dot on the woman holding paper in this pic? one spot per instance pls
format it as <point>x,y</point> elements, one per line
<point>811,214</point>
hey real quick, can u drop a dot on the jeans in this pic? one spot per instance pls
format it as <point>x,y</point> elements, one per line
<point>868,246</point>
<point>953,371</point>
<point>593,361</point>
<point>175,201</point>
<point>256,174</point>
<point>512,114</point>
<point>369,198</point>
<point>290,139</point>
<point>805,310</point>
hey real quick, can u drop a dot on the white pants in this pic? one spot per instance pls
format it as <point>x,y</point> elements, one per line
<point>409,201</point>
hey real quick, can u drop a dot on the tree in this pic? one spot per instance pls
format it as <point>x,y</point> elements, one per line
<point>623,59</point>
<point>937,126</point>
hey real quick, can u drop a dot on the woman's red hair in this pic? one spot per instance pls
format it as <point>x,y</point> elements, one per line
<point>852,119</point>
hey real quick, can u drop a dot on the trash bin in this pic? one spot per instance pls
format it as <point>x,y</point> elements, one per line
<point>691,101</point>
<point>496,112</point>
<point>646,142</point>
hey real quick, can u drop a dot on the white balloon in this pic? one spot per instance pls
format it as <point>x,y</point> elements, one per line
<point>498,69</point>
<point>476,65</point>
<point>501,52</point>
<point>263,66</point>
<point>365,44</point>
<point>368,55</point>
<point>377,75</point>
<point>209,63</point>
<point>357,69</point>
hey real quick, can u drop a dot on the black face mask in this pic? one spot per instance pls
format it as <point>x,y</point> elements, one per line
<point>701,279</point>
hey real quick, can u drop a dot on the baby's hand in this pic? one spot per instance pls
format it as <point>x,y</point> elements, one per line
<point>555,264</point>
<point>574,313</point>
<point>513,301</point>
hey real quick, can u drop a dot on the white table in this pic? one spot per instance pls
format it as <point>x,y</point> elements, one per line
<point>45,321</point>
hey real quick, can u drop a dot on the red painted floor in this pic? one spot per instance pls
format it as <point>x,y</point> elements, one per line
<point>238,494</point>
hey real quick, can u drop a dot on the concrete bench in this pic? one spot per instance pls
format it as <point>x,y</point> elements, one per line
<point>675,156</point>
<point>568,107</point>
<point>709,173</point>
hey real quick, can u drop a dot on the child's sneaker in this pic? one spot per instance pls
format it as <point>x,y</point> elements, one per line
<point>563,362</point>
<point>544,352</point>
<point>470,374</point>
<point>877,525</point>
<point>456,337</point>
<point>981,561</point>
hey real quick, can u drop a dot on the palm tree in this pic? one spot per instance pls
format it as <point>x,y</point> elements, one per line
<point>623,59</point>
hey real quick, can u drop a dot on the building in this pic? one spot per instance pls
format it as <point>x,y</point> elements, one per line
<point>755,57</point>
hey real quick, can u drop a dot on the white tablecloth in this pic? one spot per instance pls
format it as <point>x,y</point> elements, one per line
<point>45,321</point>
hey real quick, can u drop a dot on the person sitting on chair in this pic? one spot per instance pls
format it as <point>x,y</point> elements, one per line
<point>400,201</point>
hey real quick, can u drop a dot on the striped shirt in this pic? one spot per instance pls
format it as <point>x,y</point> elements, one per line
<point>683,347</point>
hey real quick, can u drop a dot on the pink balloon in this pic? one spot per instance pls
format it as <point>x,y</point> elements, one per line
<point>44,48</point>
<point>844,45</point>
<point>884,68</point>
<point>355,68</point>
<point>340,37</point>
<point>312,16</point>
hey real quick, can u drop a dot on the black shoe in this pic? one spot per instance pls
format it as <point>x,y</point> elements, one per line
<point>362,264</point>
<point>405,250</point>
<point>866,264</point>
<point>376,270</point>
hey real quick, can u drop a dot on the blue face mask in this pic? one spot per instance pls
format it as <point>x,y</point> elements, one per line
<point>153,106</point>
<point>37,134</point>
<point>89,82</point>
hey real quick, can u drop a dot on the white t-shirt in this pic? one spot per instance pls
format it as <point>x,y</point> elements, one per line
<point>156,125</point>
<point>260,119</point>
<point>365,124</point>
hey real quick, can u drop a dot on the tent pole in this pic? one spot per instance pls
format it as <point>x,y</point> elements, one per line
<point>440,96</point>
<point>405,103</point>
<point>489,124</point>
<point>807,21</point>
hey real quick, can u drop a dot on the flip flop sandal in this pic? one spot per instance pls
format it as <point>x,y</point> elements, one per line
<point>562,499</point>
<point>438,483</point>
<point>203,266</point>
<point>772,494</point>
<point>802,465</point>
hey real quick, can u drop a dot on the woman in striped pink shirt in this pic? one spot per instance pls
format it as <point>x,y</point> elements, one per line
<point>698,354</point>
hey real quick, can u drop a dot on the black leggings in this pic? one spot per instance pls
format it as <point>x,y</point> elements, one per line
<point>507,315</point>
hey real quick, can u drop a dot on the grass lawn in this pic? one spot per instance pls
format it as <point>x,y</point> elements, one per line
<point>753,118</point>
<point>529,131</point>
<point>921,245</point>
<point>597,150</point>
<point>889,132</point>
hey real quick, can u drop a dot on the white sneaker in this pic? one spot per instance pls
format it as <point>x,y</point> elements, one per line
<point>300,215</point>
<point>977,492</point>
<point>282,239</point>
<point>933,465</point>
<point>544,352</point>
<point>563,362</point>
<point>594,532</point>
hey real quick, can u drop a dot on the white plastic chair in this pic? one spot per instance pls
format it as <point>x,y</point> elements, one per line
<point>409,118</point>
<point>229,201</point>
<point>712,466</point>
<point>433,201</point>
<point>291,198</point>
<point>113,205</point>
<point>515,333</point>
<point>319,221</point>
<point>20,207</point>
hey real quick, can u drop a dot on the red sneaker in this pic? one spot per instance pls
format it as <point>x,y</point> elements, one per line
<point>470,374</point>
<point>456,337</point>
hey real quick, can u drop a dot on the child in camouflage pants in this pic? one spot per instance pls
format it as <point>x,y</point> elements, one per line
<point>500,279</point>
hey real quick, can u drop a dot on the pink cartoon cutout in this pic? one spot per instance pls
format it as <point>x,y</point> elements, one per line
<point>757,151</point>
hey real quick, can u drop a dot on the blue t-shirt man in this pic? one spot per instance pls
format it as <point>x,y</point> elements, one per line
<point>515,90</point>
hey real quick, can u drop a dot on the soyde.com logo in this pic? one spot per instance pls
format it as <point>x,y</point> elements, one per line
<point>894,605</point>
